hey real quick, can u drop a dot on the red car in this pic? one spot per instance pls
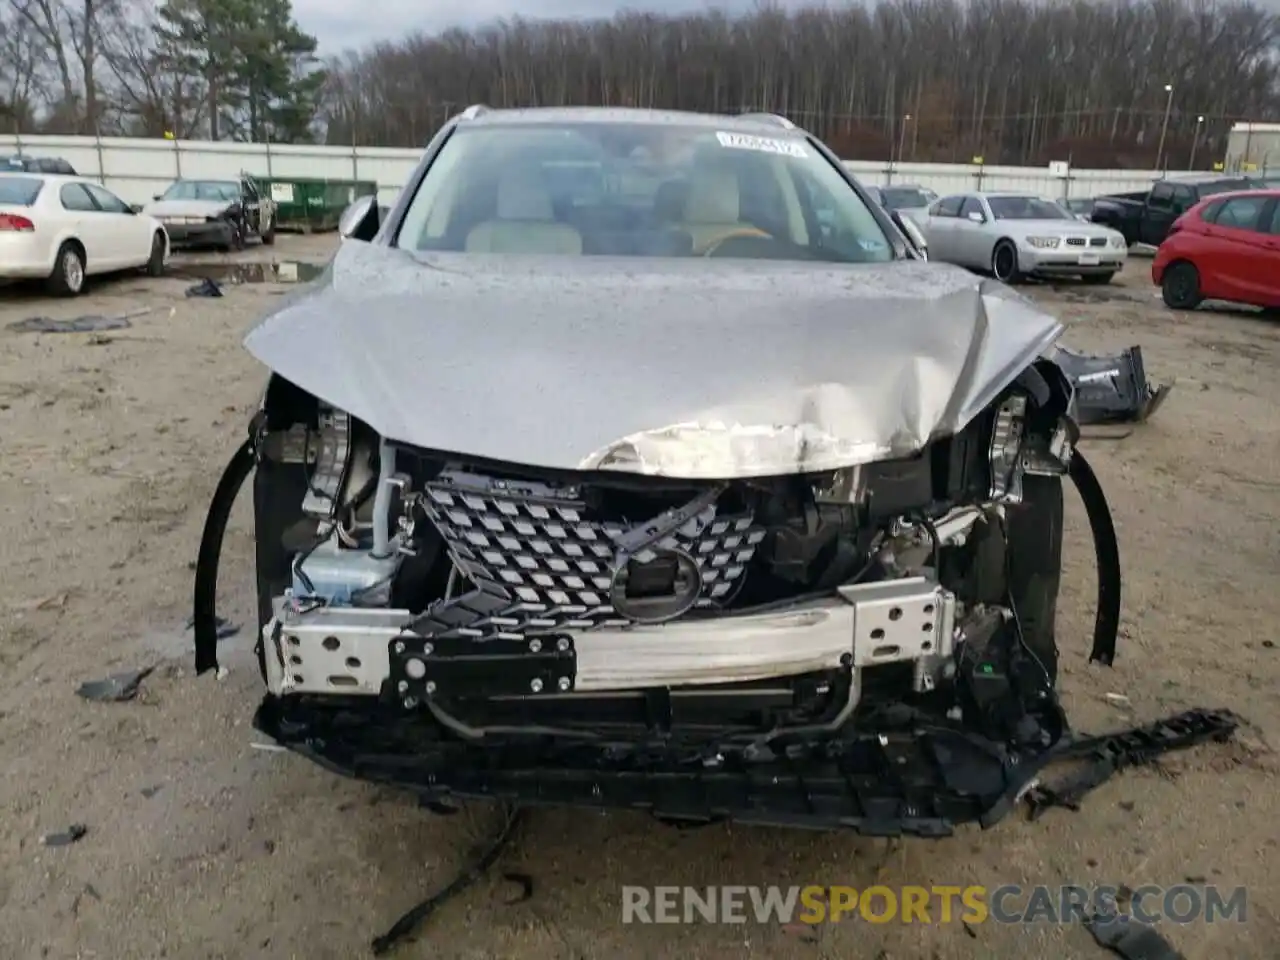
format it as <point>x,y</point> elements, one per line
<point>1226,247</point>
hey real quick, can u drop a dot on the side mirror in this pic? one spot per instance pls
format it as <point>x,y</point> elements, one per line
<point>157,196</point>
<point>977,217</point>
<point>361,219</point>
<point>135,208</point>
<point>912,232</point>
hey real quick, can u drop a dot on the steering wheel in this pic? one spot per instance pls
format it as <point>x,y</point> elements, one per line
<point>717,242</point>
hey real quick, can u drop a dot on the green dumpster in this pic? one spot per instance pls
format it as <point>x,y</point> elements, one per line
<point>312,205</point>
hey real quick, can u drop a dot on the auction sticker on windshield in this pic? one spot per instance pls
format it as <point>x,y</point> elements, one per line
<point>744,141</point>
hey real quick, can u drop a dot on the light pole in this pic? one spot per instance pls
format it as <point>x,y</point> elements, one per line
<point>1195,140</point>
<point>902,133</point>
<point>1164,127</point>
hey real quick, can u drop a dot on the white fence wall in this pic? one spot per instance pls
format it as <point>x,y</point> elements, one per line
<point>139,169</point>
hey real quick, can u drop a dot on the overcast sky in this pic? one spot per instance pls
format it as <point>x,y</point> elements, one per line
<point>340,24</point>
<point>343,24</point>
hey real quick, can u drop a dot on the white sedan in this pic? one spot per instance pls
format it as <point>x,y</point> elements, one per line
<point>63,229</point>
<point>1016,235</point>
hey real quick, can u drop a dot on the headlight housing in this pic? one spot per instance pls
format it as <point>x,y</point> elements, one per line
<point>1117,241</point>
<point>1044,243</point>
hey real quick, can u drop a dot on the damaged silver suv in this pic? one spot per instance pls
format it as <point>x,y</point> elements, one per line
<point>638,459</point>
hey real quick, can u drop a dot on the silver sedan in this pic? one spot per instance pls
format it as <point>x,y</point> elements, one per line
<point>1016,235</point>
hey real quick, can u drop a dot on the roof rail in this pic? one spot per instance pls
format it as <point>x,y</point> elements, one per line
<point>774,118</point>
<point>473,111</point>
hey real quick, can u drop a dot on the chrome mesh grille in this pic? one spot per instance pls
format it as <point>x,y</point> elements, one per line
<point>541,562</point>
<point>1075,241</point>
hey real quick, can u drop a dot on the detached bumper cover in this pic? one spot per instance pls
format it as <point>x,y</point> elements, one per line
<point>1111,389</point>
<point>883,783</point>
<point>900,779</point>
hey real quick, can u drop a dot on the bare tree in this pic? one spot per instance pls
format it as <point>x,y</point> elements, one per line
<point>1010,80</point>
<point>64,36</point>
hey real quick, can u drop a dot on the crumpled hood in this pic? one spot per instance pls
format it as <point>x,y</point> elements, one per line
<point>185,208</point>
<point>698,368</point>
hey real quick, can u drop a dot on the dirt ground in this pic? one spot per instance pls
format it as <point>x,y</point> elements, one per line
<point>201,846</point>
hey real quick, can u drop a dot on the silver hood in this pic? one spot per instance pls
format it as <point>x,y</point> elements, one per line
<point>698,368</point>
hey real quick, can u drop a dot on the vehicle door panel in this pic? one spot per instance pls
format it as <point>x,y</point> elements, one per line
<point>129,234</point>
<point>82,212</point>
<point>976,240</point>
<point>1157,215</point>
<point>251,204</point>
<point>939,225</point>
<point>1237,257</point>
<point>1271,256</point>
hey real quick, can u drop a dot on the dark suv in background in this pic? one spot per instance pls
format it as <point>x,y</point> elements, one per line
<point>17,163</point>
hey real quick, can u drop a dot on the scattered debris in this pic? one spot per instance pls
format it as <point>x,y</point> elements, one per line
<point>804,932</point>
<point>524,882</point>
<point>1108,754</point>
<point>89,891</point>
<point>1126,937</point>
<point>281,271</point>
<point>64,838</point>
<point>116,688</point>
<point>86,324</point>
<point>55,601</point>
<point>403,928</point>
<point>266,747</point>
<point>1112,389</point>
<point>224,628</point>
<point>150,792</point>
<point>75,325</point>
<point>1117,699</point>
<point>208,287</point>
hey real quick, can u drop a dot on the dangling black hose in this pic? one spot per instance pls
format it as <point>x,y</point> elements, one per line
<point>205,600</point>
<point>1106,625</point>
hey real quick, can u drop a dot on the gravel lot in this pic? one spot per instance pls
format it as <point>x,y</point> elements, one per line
<point>200,846</point>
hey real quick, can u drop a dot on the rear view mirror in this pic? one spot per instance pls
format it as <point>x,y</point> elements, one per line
<point>977,217</point>
<point>361,219</point>
<point>912,232</point>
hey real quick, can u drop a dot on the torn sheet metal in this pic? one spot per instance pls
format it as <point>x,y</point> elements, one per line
<point>684,368</point>
<point>1111,389</point>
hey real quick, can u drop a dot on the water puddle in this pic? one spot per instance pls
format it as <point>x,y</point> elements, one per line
<point>285,271</point>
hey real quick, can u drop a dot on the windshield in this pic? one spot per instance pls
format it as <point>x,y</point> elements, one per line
<point>1026,208</point>
<point>19,191</point>
<point>638,189</point>
<point>907,198</point>
<point>203,190</point>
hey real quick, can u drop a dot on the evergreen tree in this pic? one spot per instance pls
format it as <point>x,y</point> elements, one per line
<point>257,68</point>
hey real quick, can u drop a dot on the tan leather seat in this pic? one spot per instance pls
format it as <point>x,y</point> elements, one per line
<point>525,221</point>
<point>712,207</point>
